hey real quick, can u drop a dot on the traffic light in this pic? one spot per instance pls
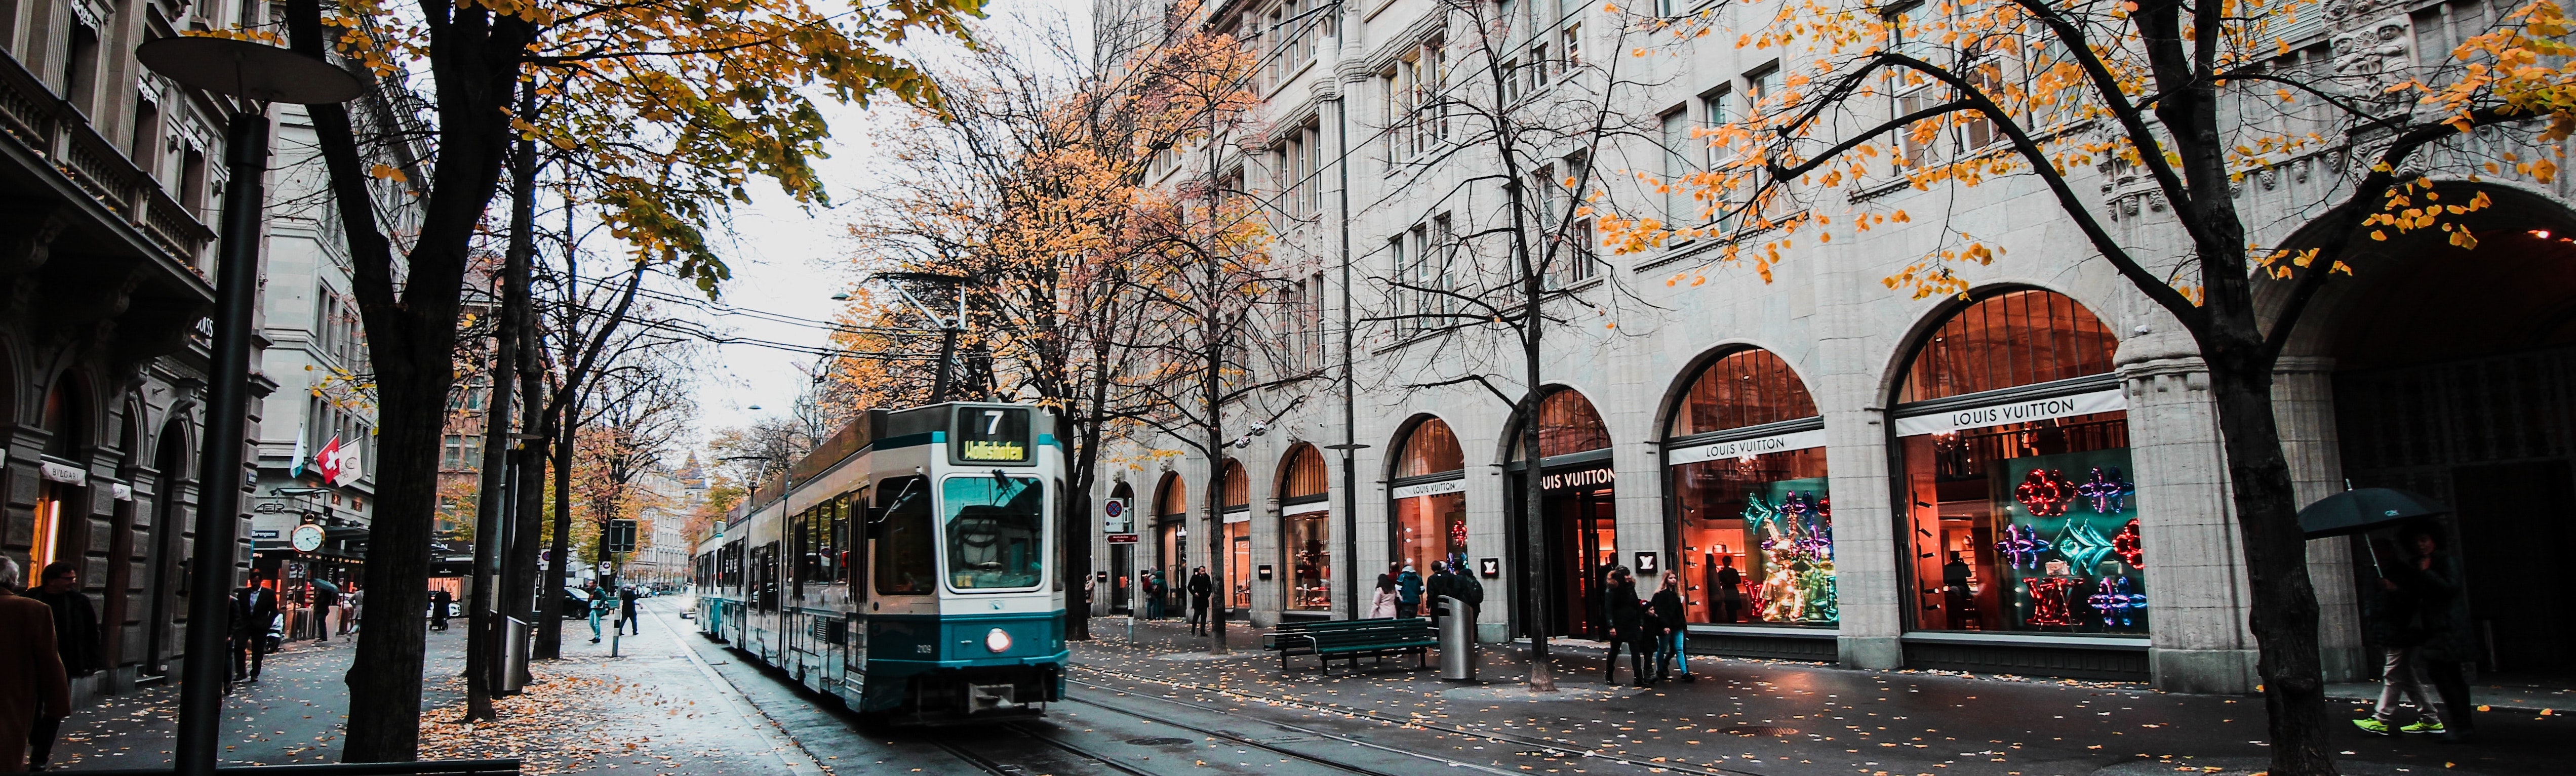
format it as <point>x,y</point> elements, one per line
<point>620,536</point>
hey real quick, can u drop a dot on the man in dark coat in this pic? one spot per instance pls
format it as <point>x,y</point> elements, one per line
<point>1468,589</point>
<point>439,598</point>
<point>34,693</point>
<point>1667,610</point>
<point>254,607</point>
<point>1439,586</point>
<point>1201,589</point>
<point>1626,617</point>
<point>76,638</point>
<point>626,611</point>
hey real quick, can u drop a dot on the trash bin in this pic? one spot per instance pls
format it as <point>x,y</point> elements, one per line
<point>514,653</point>
<point>1457,640</point>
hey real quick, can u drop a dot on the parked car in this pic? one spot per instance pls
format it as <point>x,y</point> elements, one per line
<point>576,603</point>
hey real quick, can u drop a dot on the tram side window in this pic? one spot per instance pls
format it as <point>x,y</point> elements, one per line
<point>798,549</point>
<point>766,565</point>
<point>996,529</point>
<point>906,563</point>
<point>836,540</point>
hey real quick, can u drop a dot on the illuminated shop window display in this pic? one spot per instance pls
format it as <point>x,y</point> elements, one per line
<point>1430,500</point>
<point>1305,529</point>
<point>2022,514</point>
<point>1755,515</point>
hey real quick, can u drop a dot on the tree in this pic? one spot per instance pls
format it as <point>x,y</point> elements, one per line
<point>1484,283</point>
<point>1028,188</point>
<point>703,84</point>
<point>2181,101</point>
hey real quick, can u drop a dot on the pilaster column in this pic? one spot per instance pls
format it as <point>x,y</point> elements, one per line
<point>2195,572</point>
<point>2303,405</point>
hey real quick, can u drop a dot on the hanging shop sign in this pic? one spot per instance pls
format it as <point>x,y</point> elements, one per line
<point>64,473</point>
<point>1457,485</point>
<point>1585,478</point>
<point>2023,411</point>
<point>1747,448</point>
<point>1311,506</point>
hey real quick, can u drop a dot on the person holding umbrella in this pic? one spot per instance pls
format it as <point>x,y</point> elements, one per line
<point>2421,616</point>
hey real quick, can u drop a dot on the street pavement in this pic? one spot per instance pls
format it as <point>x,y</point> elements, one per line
<point>1155,704</point>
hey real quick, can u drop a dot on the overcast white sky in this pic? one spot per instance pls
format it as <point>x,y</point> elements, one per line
<point>789,262</point>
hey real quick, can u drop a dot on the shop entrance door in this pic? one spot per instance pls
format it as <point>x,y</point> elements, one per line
<point>1122,569</point>
<point>2514,519</point>
<point>1583,545</point>
<point>1175,566</point>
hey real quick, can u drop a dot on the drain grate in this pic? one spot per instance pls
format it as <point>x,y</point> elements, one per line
<point>1157,741</point>
<point>1750,731</point>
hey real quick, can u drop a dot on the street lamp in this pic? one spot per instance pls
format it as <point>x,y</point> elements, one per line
<point>257,74</point>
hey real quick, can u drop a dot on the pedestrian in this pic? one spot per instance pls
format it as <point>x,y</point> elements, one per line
<point>1956,597</point>
<point>1730,590</point>
<point>1408,593</point>
<point>1154,592</point>
<point>1626,617</point>
<point>254,612</point>
<point>439,599</point>
<point>1667,609</point>
<point>1469,590</point>
<point>357,608</point>
<point>2418,612</point>
<point>598,609</point>
<point>1201,589</point>
<point>326,601</point>
<point>35,694</point>
<point>626,610</point>
<point>1442,585</point>
<point>1383,606</point>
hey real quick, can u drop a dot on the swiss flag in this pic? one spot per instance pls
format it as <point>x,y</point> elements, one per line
<point>327,461</point>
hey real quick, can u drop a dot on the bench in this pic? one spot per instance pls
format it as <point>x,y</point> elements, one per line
<point>1329,640</point>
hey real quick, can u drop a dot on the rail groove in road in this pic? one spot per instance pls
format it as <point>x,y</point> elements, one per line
<point>1240,739</point>
<point>1543,744</point>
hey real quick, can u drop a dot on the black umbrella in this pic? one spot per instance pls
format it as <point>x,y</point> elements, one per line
<point>2359,510</point>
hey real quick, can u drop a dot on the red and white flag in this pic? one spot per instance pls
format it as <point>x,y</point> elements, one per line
<point>327,461</point>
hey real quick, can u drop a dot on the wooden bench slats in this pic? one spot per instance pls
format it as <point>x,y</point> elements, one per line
<point>1329,640</point>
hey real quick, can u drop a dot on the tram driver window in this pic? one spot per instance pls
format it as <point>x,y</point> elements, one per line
<point>906,562</point>
<point>996,526</point>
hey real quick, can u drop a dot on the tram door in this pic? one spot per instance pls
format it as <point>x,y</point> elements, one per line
<point>1583,546</point>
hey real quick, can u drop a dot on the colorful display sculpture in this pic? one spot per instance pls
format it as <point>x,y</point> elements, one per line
<point>2045,492</point>
<point>1797,558</point>
<point>2021,547</point>
<point>2118,601</point>
<point>2108,493</point>
<point>2083,545</point>
<point>2126,544</point>
<point>2052,600</point>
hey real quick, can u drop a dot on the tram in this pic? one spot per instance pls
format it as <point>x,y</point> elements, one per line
<point>907,566</point>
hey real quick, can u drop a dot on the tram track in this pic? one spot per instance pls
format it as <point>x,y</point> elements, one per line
<point>1549,745</point>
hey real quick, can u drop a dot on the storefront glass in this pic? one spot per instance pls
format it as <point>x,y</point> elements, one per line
<point>1430,504</point>
<point>1172,536</point>
<point>1236,582</point>
<point>2021,512</point>
<point>1305,529</point>
<point>1577,513</point>
<point>1755,517</point>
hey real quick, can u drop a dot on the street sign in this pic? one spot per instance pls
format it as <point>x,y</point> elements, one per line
<point>1114,517</point>
<point>620,536</point>
<point>603,567</point>
<point>1122,538</point>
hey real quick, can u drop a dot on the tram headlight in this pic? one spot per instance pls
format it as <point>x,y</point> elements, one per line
<point>997,641</point>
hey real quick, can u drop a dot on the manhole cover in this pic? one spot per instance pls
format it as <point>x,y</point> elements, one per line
<point>1157,741</point>
<point>1757,730</point>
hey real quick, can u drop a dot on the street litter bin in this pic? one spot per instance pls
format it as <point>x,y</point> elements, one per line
<point>1457,640</point>
<point>514,653</point>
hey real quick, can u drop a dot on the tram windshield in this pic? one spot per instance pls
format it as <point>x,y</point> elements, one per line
<point>996,525</point>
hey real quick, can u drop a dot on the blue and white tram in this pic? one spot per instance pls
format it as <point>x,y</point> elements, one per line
<point>908,568</point>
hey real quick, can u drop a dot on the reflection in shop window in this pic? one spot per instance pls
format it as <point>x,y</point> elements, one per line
<point>1755,512</point>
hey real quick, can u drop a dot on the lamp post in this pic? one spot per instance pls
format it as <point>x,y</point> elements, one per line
<point>256,74</point>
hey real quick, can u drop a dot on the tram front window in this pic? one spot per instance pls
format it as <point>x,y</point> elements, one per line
<point>996,525</point>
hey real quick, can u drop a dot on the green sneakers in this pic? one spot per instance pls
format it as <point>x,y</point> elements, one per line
<point>2372,726</point>
<point>2420,727</point>
<point>2377,728</point>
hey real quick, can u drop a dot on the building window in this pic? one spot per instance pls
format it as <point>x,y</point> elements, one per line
<point>1416,119</point>
<point>1430,498</point>
<point>1681,209</point>
<point>1745,454</point>
<point>1305,523</point>
<point>2022,510</point>
<point>1236,583</point>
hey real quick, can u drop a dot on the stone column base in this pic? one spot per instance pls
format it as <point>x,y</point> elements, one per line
<point>1876,652</point>
<point>2204,671</point>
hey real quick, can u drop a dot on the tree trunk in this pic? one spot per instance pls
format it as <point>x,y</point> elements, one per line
<point>1075,530</point>
<point>2284,614</point>
<point>519,550</point>
<point>386,669</point>
<point>1212,392</point>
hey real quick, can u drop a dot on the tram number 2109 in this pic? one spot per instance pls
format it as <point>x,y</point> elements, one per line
<point>991,435</point>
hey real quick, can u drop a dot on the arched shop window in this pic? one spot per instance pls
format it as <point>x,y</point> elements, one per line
<point>56,536</point>
<point>1237,580</point>
<point>1430,496</point>
<point>1746,454</point>
<point>1172,539</point>
<point>2020,509</point>
<point>1305,528</point>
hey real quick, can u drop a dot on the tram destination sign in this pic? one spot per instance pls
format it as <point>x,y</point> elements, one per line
<point>991,435</point>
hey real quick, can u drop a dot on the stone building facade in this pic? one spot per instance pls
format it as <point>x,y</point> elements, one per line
<point>110,182</point>
<point>2023,479</point>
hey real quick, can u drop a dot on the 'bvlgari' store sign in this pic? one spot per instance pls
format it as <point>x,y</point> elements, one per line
<point>1747,448</point>
<point>1947,421</point>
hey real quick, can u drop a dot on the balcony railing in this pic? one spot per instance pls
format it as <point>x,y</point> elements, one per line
<point>32,115</point>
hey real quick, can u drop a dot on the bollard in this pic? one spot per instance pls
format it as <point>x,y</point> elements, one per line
<point>1457,640</point>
